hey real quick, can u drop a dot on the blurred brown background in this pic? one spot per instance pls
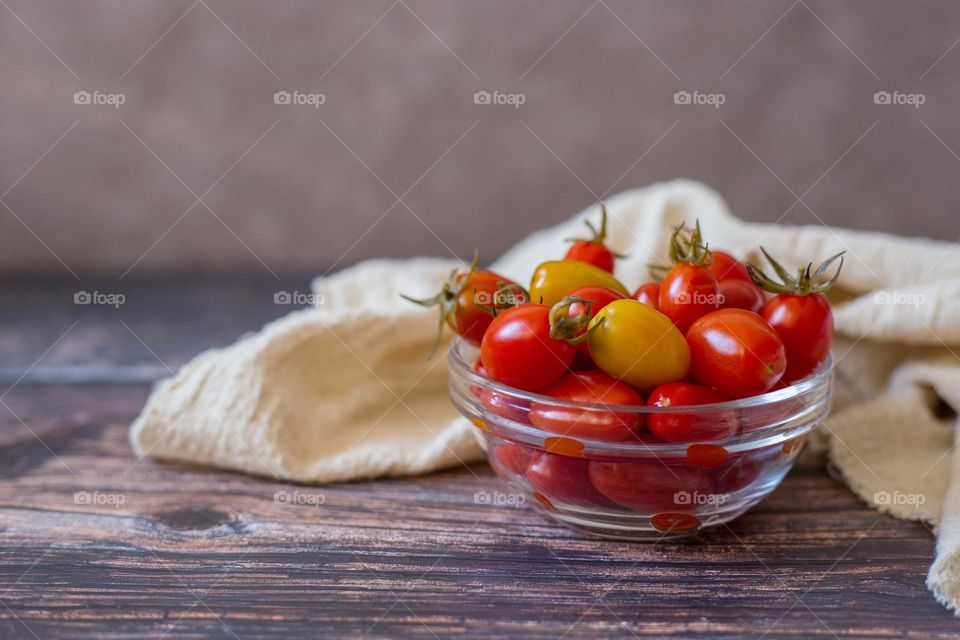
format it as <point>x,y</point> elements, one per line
<point>200,169</point>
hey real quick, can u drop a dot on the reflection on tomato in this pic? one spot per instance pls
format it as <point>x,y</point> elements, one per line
<point>564,479</point>
<point>650,485</point>
<point>589,387</point>
<point>686,427</point>
<point>502,405</point>
<point>513,457</point>
<point>735,474</point>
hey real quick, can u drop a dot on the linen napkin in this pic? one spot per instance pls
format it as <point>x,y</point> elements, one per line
<point>343,390</point>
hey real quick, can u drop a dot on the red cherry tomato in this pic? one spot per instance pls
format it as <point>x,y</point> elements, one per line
<point>563,479</point>
<point>687,292</point>
<point>512,457</point>
<point>500,404</point>
<point>736,352</point>
<point>648,294</point>
<point>589,387</point>
<point>599,298</point>
<point>725,267</point>
<point>591,252</point>
<point>517,349</point>
<point>650,486</point>
<point>594,251</point>
<point>698,427</point>
<point>741,294</point>
<point>805,324</point>
<point>735,474</point>
<point>461,300</point>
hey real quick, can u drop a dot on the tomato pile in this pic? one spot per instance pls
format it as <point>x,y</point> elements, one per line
<point>706,329</point>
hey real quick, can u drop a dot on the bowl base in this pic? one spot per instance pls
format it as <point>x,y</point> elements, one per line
<point>637,528</point>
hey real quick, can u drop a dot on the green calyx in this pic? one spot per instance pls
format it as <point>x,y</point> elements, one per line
<point>598,235</point>
<point>447,300</point>
<point>688,247</point>
<point>507,295</point>
<point>806,281</point>
<point>570,328</point>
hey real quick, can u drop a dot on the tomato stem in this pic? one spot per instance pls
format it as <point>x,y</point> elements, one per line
<point>689,247</point>
<point>570,328</point>
<point>804,283</point>
<point>447,299</point>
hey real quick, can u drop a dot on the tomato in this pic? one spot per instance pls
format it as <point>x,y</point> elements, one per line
<point>463,296</point>
<point>696,427</point>
<point>648,294</point>
<point>513,457</point>
<point>650,485</point>
<point>500,404</point>
<point>736,352</point>
<point>725,267</point>
<point>689,289</point>
<point>799,313</point>
<point>556,279</point>
<point>517,349</point>
<point>594,251</point>
<point>805,324</point>
<point>636,343</point>
<point>563,479</point>
<point>599,297</point>
<point>737,473</point>
<point>588,387</point>
<point>687,292</point>
<point>741,294</point>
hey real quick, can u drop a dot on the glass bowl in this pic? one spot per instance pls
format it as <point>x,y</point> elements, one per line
<point>642,488</point>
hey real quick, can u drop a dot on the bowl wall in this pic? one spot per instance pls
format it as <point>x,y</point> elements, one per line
<point>638,487</point>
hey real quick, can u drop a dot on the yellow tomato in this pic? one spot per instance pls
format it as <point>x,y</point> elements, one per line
<point>638,344</point>
<point>555,279</point>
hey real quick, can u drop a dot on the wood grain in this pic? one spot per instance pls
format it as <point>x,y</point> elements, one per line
<point>166,549</point>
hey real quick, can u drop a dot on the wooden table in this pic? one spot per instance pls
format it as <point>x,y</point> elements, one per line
<point>186,552</point>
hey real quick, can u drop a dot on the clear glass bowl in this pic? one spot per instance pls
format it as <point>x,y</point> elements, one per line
<point>642,488</point>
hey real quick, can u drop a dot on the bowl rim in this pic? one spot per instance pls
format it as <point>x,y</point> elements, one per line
<point>820,378</point>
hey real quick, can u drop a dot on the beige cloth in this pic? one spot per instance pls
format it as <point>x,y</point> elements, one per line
<point>344,391</point>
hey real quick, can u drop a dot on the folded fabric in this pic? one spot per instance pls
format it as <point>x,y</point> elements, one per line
<point>344,390</point>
